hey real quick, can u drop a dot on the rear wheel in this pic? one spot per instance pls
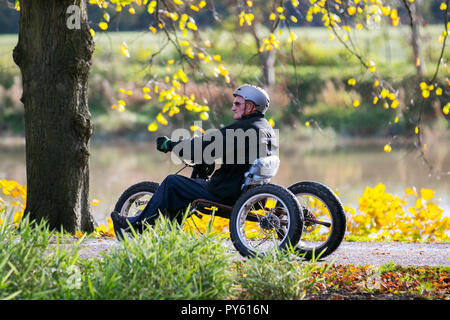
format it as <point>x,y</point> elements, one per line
<point>324,219</point>
<point>265,217</point>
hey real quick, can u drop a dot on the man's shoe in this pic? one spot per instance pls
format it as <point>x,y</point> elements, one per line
<point>119,223</point>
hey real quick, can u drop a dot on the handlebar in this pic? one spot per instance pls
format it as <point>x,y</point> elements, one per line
<point>199,170</point>
<point>188,164</point>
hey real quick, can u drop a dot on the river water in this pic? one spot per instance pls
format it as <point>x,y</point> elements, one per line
<point>346,167</point>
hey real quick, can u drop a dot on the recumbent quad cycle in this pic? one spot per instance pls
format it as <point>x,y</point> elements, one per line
<point>307,215</point>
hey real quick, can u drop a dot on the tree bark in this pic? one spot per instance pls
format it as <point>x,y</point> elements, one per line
<point>55,61</point>
<point>416,43</point>
<point>266,60</point>
<point>267,63</point>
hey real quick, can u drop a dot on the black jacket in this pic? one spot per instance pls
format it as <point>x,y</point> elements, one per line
<point>242,142</point>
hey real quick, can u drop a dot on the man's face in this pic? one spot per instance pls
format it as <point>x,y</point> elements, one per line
<point>240,108</point>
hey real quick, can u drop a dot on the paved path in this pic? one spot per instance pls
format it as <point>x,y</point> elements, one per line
<point>358,253</point>
<point>379,253</point>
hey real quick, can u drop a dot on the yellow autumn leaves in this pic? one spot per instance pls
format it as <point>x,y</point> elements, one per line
<point>171,97</point>
<point>382,215</point>
<point>18,195</point>
<point>173,101</point>
<point>172,84</point>
<point>446,109</point>
<point>426,89</point>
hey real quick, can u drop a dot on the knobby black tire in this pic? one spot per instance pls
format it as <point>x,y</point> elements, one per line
<point>145,186</point>
<point>295,217</point>
<point>141,187</point>
<point>338,223</point>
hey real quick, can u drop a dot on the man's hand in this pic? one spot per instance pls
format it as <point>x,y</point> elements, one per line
<point>164,144</point>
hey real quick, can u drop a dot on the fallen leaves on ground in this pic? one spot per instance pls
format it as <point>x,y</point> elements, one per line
<point>385,282</point>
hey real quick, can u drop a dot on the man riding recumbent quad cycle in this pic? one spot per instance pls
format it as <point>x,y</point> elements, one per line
<point>262,215</point>
<point>306,215</point>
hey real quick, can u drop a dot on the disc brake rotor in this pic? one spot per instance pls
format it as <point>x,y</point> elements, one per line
<point>269,223</point>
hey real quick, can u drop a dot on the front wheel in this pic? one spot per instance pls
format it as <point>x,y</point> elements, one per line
<point>324,219</point>
<point>134,199</point>
<point>265,217</point>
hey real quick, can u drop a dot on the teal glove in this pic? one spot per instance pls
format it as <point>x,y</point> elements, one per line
<point>164,144</point>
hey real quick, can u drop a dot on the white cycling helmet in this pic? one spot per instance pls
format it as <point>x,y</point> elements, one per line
<point>254,94</point>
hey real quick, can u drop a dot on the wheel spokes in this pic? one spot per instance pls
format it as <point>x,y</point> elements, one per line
<point>264,219</point>
<point>317,222</point>
<point>136,204</point>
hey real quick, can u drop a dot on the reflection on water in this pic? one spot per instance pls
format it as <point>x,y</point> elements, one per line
<point>347,169</point>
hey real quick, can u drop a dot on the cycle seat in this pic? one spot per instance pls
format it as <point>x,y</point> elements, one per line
<point>261,171</point>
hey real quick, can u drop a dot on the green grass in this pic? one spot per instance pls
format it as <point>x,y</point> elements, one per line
<point>169,263</point>
<point>28,270</point>
<point>165,263</point>
<point>277,276</point>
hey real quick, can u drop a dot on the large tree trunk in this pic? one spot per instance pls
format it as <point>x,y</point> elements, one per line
<point>55,61</point>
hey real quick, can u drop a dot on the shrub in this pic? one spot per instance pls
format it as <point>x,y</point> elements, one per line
<point>164,263</point>
<point>30,268</point>
<point>414,216</point>
<point>279,275</point>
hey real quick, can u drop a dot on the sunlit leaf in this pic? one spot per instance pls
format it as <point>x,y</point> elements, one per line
<point>394,104</point>
<point>427,194</point>
<point>182,75</point>
<point>351,10</point>
<point>204,116</point>
<point>446,109</point>
<point>124,50</point>
<point>160,118</point>
<point>103,25</point>
<point>152,127</point>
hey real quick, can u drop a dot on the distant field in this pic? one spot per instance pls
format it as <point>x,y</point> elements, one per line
<point>323,67</point>
<point>383,44</point>
<point>314,54</point>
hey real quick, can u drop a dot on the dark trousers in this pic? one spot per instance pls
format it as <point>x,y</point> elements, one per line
<point>175,192</point>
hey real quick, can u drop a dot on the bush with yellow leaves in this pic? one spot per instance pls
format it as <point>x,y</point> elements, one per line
<point>219,225</point>
<point>384,216</point>
<point>18,196</point>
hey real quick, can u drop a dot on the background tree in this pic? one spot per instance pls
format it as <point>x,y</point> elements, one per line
<point>414,10</point>
<point>54,62</point>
